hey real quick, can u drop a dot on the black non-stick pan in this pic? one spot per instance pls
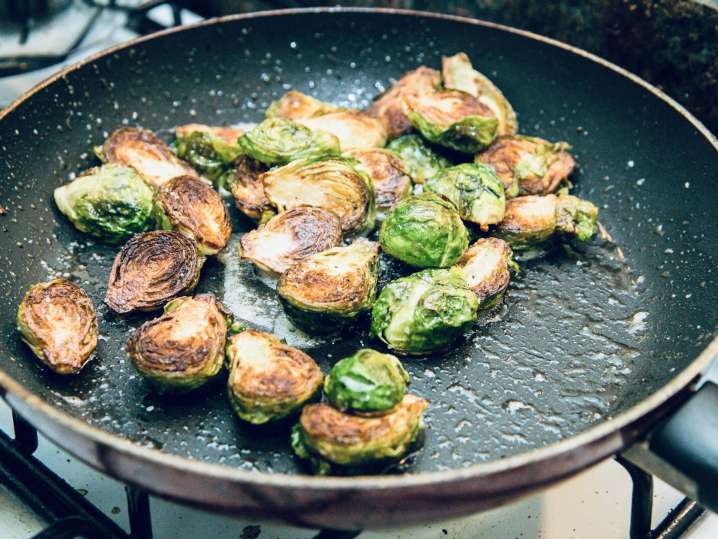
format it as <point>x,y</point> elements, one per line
<point>593,352</point>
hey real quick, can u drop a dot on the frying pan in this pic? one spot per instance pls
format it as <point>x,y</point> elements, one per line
<point>594,353</point>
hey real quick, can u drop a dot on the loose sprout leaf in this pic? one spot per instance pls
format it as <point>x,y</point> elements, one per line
<point>421,161</point>
<point>295,105</point>
<point>354,129</point>
<point>210,150</point>
<point>486,267</point>
<point>576,217</point>
<point>245,184</point>
<point>388,174</point>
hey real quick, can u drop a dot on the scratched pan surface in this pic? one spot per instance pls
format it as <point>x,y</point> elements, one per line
<point>580,339</point>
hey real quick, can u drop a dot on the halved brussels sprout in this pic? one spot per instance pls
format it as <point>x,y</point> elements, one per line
<point>354,129</point>
<point>277,141</point>
<point>453,119</point>
<point>295,105</point>
<point>389,108</point>
<point>421,161</point>
<point>327,437</point>
<point>328,290</point>
<point>210,150</point>
<point>247,189</point>
<point>367,381</point>
<point>290,237</point>
<point>268,380</point>
<point>333,184</point>
<point>388,176</point>
<point>424,231</point>
<point>486,267</point>
<point>110,202</point>
<point>150,270</point>
<point>458,74</point>
<point>57,321</point>
<point>145,152</point>
<point>529,165</point>
<point>424,312</point>
<point>184,348</point>
<point>475,191</point>
<point>192,207</point>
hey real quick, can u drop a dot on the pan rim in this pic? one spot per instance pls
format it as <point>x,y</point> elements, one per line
<point>159,458</point>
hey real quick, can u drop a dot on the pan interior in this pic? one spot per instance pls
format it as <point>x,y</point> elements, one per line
<point>580,338</point>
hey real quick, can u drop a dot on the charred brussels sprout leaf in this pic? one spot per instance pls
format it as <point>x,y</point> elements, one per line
<point>424,312</point>
<point>576,217</point>
<point>247,189</point>
<point>295,105</point>
<point>355,130</point>
<point>366,381</point>
<point>290,237</point>
<point>388,175</point>
<point>421,161</point>
<point>424,231</point>
<point>184,348</point>
<point>150,270</point>
<point>335,441</point>
<point>192,207</point>
<point>57,321</point>
<point>475,191</point>
<point>209,150</point>
<point>268,380</point>
<point>277,141</point>
<point>110,202</point>
<point>328,290</point>
<point>333,184</point>
<point>485,266</point>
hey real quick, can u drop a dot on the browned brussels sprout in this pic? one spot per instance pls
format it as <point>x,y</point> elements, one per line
<point>354,129</point>
<point>485,266</point>
<point>57,321</point>
<point>388,175</point>
<point>247,189</point>
<point>184,348</point>
<point>190,206</point>
<point>268,380</point>
<point>289,237</point>
<point>228,134</point>
<point>210,150</point>
<point>295,105</point>
<point>150,270</point>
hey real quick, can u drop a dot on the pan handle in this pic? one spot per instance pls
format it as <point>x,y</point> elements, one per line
<point>683,450</point>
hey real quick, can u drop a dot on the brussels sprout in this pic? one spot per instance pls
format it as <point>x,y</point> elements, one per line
<point>453,119</point>
<point>247,188</point>
<point>295,105</point>
<point>421,161</point>
<point>485,266</point>
<point>150,270</point>
<point>576,217</point>
<point>110,202</point>
<point>327,437</point>
<point>268,380</point>
<point>333,184</point>
<point>388,176</point>
<point>424,312</point>
<point>389,108</point>
<point>192,207</point>
<point>210,150</point>
<point>475,191</point>
<point>366,381</point>
<point>328,290</point>
<point>458,74</point>
<point>290,237</point>
<point>57,321</point>
<point>356,130</point>
<point>145,152</point>
<point>277,141</point>
<point>184,348</point>
<point>424,231</point>
<point>529,165</point>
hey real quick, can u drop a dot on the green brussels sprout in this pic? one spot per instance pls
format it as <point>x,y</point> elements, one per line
<point>388,176</point>
<point>245,184</point>
<point>486,267</point>
<point>333,184</point>
<point>190,206</point>
<point>295,105</point>
<point>576,217</point>
<point>57,321</point>
<point>356,130</point>
<point>458,74</point>
<point>529,165</point>
<point>334,441</point>
<point>110,202</point>
<point>184,348</point>
<point>326,291</point>
<point>268,380</point>
<point>152,269</point>
<point>289,238</point>
<point>145,152</point>
<point>389,108</point>
<point>453,119</point>
<point>421,161</point>
<point>277,141</point>
<point>210,150</point>
<point>367,381</point>
<point>475,191</point>
<point>424,312</point>
<point>424,231</point>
